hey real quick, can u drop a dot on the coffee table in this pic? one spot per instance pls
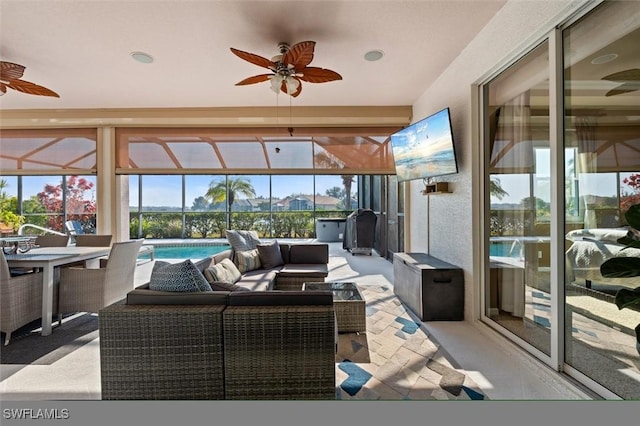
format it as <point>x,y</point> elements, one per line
<point>348,303</point>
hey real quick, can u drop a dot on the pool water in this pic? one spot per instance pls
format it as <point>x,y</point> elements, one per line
<point>187,252</point>
<point>504,249</point>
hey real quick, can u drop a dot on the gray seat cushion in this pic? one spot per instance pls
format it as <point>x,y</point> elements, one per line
<point>309,253</point>
<point>258,280</point>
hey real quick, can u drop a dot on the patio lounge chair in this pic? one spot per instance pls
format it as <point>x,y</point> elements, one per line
<point>73,227</point>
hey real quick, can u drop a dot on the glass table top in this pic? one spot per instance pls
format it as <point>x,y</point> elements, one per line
<point>341,290</point>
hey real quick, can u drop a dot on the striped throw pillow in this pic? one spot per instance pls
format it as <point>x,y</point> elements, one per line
<point>242,240</point>
<point>248,260</point>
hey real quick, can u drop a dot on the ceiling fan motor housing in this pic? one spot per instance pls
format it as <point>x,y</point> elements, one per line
<point>283,47</point>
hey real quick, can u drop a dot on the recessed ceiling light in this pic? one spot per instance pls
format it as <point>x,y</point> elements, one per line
<point>374,55</point>
<point>604,59</point>
<point>145,58</point>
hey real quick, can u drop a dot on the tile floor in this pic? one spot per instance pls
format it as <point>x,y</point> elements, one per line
<point>397,358</point>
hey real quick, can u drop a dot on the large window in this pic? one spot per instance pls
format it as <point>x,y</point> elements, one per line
<point>48,202</point>
<point>528,296</point>
<point>48,177</point>
<point>204,206</point>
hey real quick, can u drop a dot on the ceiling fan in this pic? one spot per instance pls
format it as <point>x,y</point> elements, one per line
<point>288,69</point>
<point>630,80</point>
<point>10,75</point>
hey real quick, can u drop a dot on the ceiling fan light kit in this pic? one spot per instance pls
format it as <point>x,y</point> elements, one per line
<point>288,69</point>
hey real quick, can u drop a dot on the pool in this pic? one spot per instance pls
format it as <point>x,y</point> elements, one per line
<point>504,249</point>
<point>186,251</point>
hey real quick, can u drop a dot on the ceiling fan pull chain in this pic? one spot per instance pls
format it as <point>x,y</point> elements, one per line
<point>290,129</point>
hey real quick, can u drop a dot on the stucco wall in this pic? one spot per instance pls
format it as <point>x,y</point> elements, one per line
<point>446,225</point>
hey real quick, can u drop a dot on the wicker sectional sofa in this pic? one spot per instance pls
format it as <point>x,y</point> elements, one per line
<point>302,262</point>
<point>268,344</point>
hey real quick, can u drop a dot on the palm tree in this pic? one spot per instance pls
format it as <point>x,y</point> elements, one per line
<point>221,190</point>
<point>495,188</point>
<point>347,180</point>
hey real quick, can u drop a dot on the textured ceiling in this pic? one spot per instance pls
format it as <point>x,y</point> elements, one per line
<point>81,49</point>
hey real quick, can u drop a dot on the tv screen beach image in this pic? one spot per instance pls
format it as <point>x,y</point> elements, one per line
<point>425,148</point>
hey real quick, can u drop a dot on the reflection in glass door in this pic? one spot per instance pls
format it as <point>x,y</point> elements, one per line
<point>518,294</point>
<point>602,175</point>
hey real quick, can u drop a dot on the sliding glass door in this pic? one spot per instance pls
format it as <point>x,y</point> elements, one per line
<point>572,323</point>
<point>602,144</point>
<point>517,144</point>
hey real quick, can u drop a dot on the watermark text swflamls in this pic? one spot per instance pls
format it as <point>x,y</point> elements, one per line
<point>35,414</point>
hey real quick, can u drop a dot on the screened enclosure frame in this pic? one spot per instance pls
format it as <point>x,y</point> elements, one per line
<point>245,151</point>
<point>49,151</point>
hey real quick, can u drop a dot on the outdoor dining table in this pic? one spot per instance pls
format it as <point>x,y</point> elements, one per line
<point>49,258</point>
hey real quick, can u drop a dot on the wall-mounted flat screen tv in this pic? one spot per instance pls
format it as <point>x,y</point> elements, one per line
<point>425,148</point>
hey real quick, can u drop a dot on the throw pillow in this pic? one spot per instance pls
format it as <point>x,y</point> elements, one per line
<point>270,255</point>
<point>179,277</point>
<point>226,286</point>
<point>242,240</point>
<point>225,271</point>
<point>248,260</point>
<point>232,270</point>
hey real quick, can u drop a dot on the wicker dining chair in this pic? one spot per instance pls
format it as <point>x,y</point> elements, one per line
<point>89,290</point>
<point>93,240</point>
<point>20,299</point>
<point>52,240</point>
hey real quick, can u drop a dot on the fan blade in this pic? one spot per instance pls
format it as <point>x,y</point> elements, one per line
<point>10,71</point>
<point>254,59</point>
<point>300,54</point>
<point>255,79</point>
<point>31,88</point>
<point>632,74</point>
<point>317,75</point>
<point>3,88</point>
<point>631,86</point>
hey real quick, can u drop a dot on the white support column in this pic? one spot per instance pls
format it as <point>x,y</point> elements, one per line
<point>105,178</point>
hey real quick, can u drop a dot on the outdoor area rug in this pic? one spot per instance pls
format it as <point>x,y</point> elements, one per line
<point>395,359</point>
<point>28,346</point>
